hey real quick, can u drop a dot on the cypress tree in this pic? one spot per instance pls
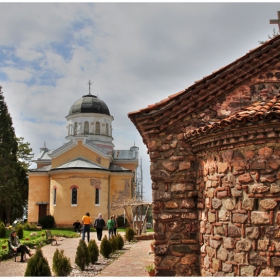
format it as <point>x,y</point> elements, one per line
<point>93,251</point>
<point>82,255</point>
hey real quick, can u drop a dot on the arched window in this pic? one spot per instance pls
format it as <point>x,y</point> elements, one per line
<point>107,129</point>
<point>97,194</point>
<point>86,128</point>
<point>97,130</point>
<point>74,198</point>
<point>54,196</point>
<point>75,128</point>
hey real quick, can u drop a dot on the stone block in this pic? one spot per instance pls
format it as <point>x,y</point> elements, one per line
<point>184,165</point>
<point>245,178</point>
<point>222,167</point>
<point>268,179</point>
<point>275,261</point>
<point>188,203</point>
<point>215,264</point>
<point>229,243</point>
<point>239,257</point>
<point>259,218</point>
<point>219,230</point>
<point>239,218</point>
<point>206,262</point>
<point>170,166</point>
<point>211,217</point>
<point>171,205</point>
<point>234,231</point>
<point>214,243</point>
<point>236,193</point>
<point>246,271</point>
<point>169,261</point>
<point>210,251</point>
<point>164,147</point>
<point>262,245</point>
<point>229,204</point>
<point>256,259</point>
<point>189,259</point>
<point>248,204</point>
<point>269,271</point>
<point>253,232</point>
<point>161,249</point>
<point>210,193</point>
<point>222,194</point>
<point>278,218</point>
<point>181,248</point>
<point>223,215</point>
<point>222,255</point>
<point>243,245</point>
<point>260,188</point>
<point>274,188</point>
<point>227,267</point>
<point>272,232</point>
<point>179,188</point>
<point>216,203</point>
<point>268,204</point>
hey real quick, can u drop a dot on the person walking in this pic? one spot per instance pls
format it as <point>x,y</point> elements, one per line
<point>86,221</point>
<point>99,224</point>
<point>111,225</point>
<point>116,225</point>
<point>17,247</point>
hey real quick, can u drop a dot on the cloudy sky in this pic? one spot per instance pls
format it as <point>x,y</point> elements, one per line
<point>135,54</point>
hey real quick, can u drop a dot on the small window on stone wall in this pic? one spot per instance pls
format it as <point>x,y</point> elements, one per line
<point>74,199</point>
<point>54,196</point>
<point>97,195</point>
<point>75,128</point>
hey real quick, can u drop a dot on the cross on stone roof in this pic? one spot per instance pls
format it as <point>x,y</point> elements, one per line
<point>276,21</point>
<point>89,84</point>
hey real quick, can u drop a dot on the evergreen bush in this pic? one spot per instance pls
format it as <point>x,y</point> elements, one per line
<point>120,241</point>
<point>47,221</point>
<point>105,247</point>
<point>29,227</point>
<point>2,230</point>
<point>61,264</point>
<point>82,255</point>
<point>19,229</point>
<point>38,265</point>
<point>129,234</point>
<point>121,221</point>
<point>114,243</point>
<point>93,251</point>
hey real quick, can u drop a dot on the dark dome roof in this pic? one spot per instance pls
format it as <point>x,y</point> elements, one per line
<point>89,104</point>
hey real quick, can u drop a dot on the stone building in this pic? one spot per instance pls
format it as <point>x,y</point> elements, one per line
<point>86,174</point>
<point>215,168</point>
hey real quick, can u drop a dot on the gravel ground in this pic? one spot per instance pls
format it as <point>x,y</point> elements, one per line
<point>69,245</point>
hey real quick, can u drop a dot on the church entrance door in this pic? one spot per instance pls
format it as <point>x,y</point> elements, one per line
<point>42,210</point>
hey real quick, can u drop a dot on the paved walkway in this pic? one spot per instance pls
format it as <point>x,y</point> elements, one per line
<point>132,263</point>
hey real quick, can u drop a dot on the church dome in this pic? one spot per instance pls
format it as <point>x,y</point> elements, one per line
<point>89,104</point>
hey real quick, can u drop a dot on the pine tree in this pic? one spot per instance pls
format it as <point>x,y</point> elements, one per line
<point>38,265</point>
<point>15,156</point>
<point>105,247</point>
<point>93,251</point>
<point>61,264</point>
<point>82,255</point>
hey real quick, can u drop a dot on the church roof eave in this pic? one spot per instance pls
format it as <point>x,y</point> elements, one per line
<point>157,117</point>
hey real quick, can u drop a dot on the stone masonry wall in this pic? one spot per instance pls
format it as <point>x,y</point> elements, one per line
<point>240,224</point>
<point>176,225</point>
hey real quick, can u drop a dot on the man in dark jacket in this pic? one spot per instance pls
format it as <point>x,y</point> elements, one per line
<point>99,224</point>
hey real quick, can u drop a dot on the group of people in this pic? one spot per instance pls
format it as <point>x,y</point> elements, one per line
<point>98,224</point>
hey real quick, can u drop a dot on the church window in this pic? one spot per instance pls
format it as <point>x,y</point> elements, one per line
<point>54,196</point>
<point>75,128</point>
<point>97,131</point>
<point>97,194</point>
<point>86,128</point>
<point>107,129</point>
<point>74,200</point>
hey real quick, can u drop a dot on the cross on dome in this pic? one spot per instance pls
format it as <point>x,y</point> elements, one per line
<point>89,84</point>
<point>276,21</point>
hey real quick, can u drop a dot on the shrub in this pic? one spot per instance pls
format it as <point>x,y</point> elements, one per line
<point>93,251</point>
<point>82,255</point>
<point>19,229</point>
<point>114,243</point>
<point>38,265</point>
<point>61,264</point>
<point>47,221</point>
<point>120,242</point>
<point>105,247</point>
<point>121,222</point>
<point>29,227</point>
<point>2,230</point>
<point>129,234</point>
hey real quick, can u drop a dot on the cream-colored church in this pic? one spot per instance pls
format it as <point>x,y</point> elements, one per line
<point>86,174</point>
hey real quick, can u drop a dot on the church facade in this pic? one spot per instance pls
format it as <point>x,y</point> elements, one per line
<point>215,168</point>
<point>86,174</point>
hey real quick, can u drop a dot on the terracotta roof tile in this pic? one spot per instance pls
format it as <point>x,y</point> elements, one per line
<point>264,109</point>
